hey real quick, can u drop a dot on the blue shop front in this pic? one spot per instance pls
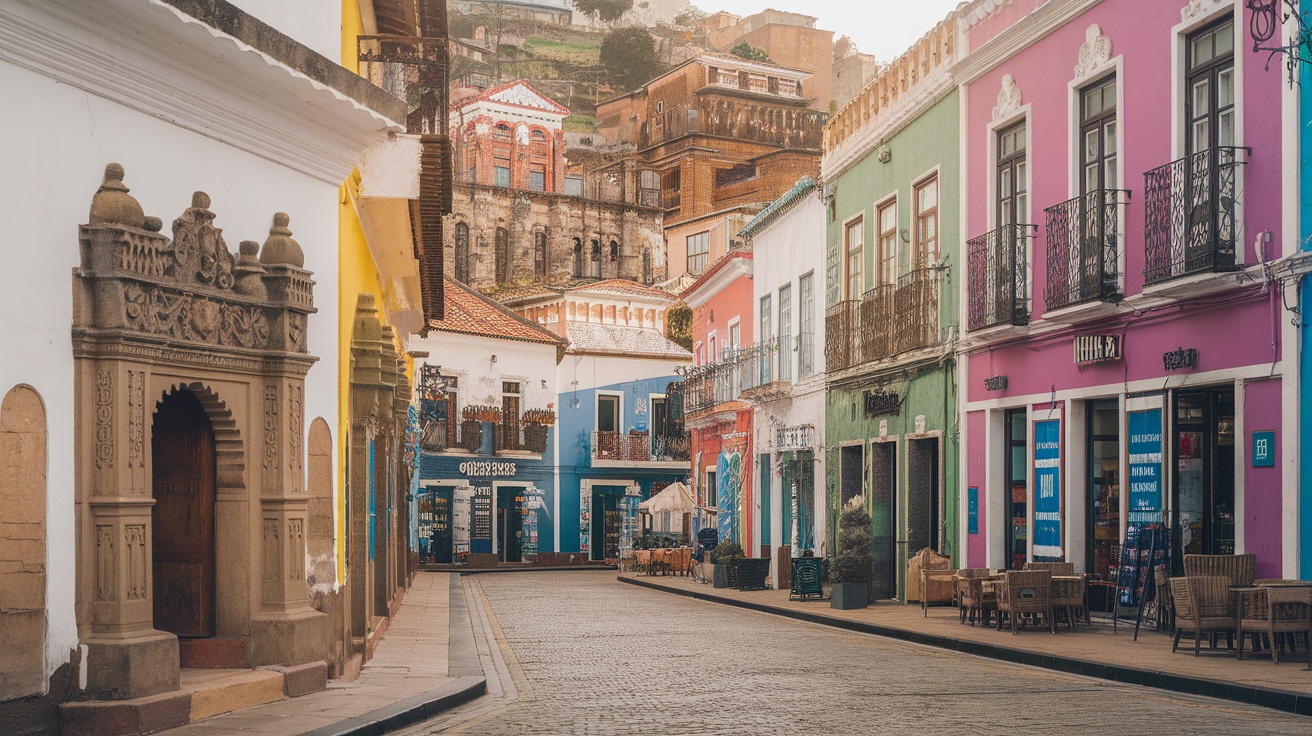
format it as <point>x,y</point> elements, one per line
<point>484,505</point>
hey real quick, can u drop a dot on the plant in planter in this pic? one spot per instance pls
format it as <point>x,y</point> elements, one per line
<point>853,563</point>
<point>725,564</point>
<point>536,422</point>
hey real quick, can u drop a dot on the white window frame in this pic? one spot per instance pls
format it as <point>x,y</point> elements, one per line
<point>619,410</point>
<point>843,258</point>
<point>880,204</point>
<point>1114,66</point>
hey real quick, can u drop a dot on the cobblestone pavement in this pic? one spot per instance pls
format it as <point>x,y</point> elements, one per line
<point>580,653</point>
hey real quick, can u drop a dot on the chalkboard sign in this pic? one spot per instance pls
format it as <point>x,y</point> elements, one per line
<point>709,537</point>
<point>1146,549</point>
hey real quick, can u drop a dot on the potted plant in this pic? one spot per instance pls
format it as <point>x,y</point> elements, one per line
<point>853,563</point>
<point>536,422</point>
<point>725,558</point>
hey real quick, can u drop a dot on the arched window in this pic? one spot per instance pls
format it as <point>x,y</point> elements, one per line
<point>503,256</point>
<point>596,258</point>
<point>462,252</point>
<point>540,253</point>
<point>614,252</point>
<point>578,257</point>
<point>646,266</point>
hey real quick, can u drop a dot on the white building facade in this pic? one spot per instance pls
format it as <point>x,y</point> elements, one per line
<point>789,415</point>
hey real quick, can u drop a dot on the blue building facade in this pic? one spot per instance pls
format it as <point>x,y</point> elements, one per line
<point>619,444</point>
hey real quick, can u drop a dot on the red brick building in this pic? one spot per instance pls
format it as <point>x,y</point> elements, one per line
<point>509,136</point>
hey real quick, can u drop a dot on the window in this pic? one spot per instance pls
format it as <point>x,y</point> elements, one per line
<point>712,492</point>
<point>462,252</point>
<point>1211,88</point>
<point>540,253</point>
<point>537,180</point>
<point>699,252</point>
<point>574,186</point>
<point>833,274</point>
<point>1013,179</point>
<point>503,255</point>
<point>854,246</point>
<point>608,413</point>
<point>886,246</point>
<point>649,188</point>
<point>452,409</point>
<point>762,338</point>
<point>806,307</point>
<point>578,257</point>
<point>1098,136</point>
<point>501,176</point>
<point>926,202</point>
<point>510,415</point>
<point>596,258</point>
<point>785,358</point>
<point>614,252</point>
<point>735,335</point>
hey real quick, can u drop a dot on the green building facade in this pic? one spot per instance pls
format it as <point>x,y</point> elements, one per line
<point>893,271</point>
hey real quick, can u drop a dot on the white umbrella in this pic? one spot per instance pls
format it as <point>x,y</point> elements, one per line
<point>673,498</point>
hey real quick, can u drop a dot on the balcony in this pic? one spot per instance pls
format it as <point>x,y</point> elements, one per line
<point>1191,208</point>
<point>520,437</point>
<point>639,447</point>
<point>998,291</point>
<point>1083,249</point>
<point>842,324</point>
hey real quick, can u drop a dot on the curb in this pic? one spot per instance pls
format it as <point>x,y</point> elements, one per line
<point>1283,700</point>
<point>406,712</point>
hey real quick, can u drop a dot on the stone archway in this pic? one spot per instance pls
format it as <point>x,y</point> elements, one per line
<point>22,543</point>
<point>157,316</point>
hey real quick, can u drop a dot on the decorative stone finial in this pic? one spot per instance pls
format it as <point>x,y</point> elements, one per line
<point>248,271</point>
<point>280,249</point>
<point>200,200</point>
<point>112,205</point>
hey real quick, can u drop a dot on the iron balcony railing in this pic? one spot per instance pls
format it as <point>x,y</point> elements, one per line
<point>639,447</point>
<point>898,317</point>
<point>842,324</point>
<point>522,437</point>
<point>1191,209</point>
<point>1084,248</point>
<point>739,370</point>
<point>413,69</point>
<point>997,285</point>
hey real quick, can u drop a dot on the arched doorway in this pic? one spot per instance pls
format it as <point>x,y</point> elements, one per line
<point>182,520</point>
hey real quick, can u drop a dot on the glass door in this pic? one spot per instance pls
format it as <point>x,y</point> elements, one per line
<point>1104,473</point>
<point>1204,492</point>
<point>1017,448</point>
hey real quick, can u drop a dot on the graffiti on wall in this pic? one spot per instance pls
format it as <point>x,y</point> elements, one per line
<point>729,482</point>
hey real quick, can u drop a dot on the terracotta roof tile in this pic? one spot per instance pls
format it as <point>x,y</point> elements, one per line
<point>471,313</point>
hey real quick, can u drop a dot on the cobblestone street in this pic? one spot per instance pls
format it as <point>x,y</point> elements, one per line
<point>582,653</point>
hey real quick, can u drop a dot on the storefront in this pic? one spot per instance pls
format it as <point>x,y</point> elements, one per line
<point>1063,474</point>
<point>467,506</point>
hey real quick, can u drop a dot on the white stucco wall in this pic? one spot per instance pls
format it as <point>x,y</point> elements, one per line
<point>56,155</point>
<point>469,358</point>
<point>315,23</point>
<point>583,372</point>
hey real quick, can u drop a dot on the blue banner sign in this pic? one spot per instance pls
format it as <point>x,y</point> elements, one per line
<point>1145,466</point>
<point>972,510</point>
<point>1047,489</point>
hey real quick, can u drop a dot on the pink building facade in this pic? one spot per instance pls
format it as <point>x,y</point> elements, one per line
<point>1124,168</point>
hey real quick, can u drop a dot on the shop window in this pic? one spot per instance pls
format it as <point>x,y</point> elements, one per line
<point>1104,473</point>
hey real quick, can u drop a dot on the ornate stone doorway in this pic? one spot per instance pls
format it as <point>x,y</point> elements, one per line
<point>182,520</point>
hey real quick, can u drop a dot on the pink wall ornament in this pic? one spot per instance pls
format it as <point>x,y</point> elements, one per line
<point>1008,98</point>
<point>1094,52</point>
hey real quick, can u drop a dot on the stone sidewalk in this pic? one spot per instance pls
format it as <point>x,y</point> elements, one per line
<point>410,678</point>
<point>1091,651</point>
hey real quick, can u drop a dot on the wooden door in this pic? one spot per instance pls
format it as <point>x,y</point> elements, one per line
<point>182,446</point>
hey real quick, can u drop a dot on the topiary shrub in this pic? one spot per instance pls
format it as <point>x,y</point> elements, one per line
<point>853,563</point>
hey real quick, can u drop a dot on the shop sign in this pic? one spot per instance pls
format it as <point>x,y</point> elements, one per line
<point>996,383</point>
<point>881,403</point>
<point>972,510</point>
<point>487,469</point>
<point>1180,359</point>
<point>1047,489</point>
<point>1145,466</point>
<point>793,438</point>
<point>1097,349</point>
<point>1264,449</point>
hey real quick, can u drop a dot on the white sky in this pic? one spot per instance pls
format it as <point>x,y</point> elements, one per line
<point>884,28</point>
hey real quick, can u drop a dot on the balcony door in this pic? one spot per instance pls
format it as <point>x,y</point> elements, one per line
<point>1013,177</point>
<point>1096,262</point>
<point>1210,104</point>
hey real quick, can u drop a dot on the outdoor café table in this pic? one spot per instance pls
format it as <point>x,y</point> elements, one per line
<point>1251,608</point>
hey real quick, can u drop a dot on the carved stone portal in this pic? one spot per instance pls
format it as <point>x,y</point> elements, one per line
<point>157,316</point>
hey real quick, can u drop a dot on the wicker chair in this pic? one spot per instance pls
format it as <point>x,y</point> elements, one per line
<point>642,559</point>
<point>1203,605</point>
<point>1241,569</point>
<point>1027,592</point>
<point>972,600</point>
<point>681,560</point>
<point>1288,612</point>
<point>1069,595</point>
<point>1056,568</point>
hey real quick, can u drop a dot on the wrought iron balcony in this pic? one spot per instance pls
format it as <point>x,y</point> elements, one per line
<point>842,324</point>
<point>1190,215</point>
<point>997,284</point>
<point>1083,248</point>
<point>520,437</point>
<point>739,370</point>
<point>897,317</point>
<point>640,447</point>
